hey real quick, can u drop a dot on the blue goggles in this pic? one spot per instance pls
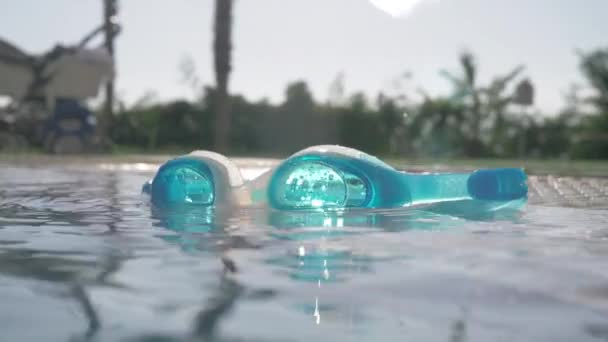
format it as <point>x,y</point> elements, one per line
<point>325,177</point>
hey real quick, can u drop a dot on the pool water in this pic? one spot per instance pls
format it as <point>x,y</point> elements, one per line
<point>83,257</point>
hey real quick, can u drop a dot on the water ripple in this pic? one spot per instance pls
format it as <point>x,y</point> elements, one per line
<point>83,257</point>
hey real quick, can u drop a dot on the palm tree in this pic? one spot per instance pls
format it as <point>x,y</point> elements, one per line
<point>466,90</point>
<point>481,103</point>
<point>594,138</point>
<point>222,49</point>
<point>594,66</point>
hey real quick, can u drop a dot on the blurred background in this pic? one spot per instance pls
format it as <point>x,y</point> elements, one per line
<point>448,79</point>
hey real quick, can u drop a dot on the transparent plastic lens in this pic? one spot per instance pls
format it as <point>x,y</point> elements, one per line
<point>317,185</point>
<point>188,186</point>
<point>356,190</point>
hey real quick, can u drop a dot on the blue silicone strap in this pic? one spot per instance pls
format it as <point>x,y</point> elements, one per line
<point>318,180</point>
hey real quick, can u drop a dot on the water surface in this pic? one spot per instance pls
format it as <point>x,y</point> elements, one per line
<point>83,257</point>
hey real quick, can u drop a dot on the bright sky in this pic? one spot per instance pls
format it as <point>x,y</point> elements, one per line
<point>277,41</point>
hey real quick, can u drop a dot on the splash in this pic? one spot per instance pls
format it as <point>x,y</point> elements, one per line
<point>396,8</point>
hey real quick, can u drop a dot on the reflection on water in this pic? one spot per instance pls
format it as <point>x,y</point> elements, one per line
<point>83,257</point>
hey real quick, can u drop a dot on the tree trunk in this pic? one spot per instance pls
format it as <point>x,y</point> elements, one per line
<point>222,49</point>
<point>105,124</point>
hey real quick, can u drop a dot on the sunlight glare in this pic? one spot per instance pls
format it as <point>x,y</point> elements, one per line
<point>395,8</point>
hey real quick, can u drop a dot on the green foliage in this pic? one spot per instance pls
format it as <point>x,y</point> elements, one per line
<point>594,66</point>
<point>592,138</point>
<point>439,128</point>
<point>174,124</point>
<point>474,121</point>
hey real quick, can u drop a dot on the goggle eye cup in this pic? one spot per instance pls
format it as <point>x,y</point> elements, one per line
<point>183,185</point>
<point>315,184</point>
